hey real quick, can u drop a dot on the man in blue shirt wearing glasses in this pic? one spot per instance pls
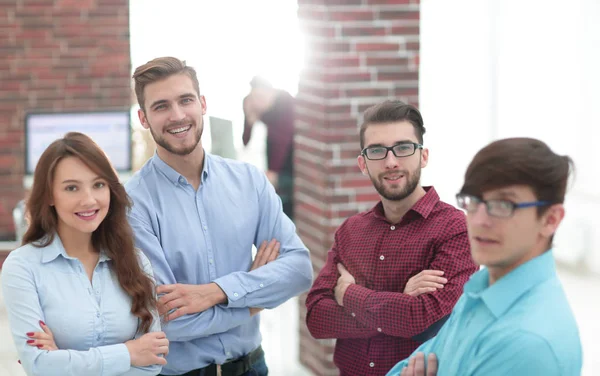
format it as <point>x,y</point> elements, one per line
<point>513,317</point>
<point>196,217</point>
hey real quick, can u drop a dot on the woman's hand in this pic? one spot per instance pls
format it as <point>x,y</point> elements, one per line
<point>42,340</point>
<point>145,350</point>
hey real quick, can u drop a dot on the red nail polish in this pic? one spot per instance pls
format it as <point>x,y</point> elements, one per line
<point>40,346</point>
<point>42,323</point>
<point>19,361</point>
<point>30,341</point>
<point>29,334</point>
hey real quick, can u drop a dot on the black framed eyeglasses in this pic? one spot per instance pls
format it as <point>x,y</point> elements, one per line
<point>495,208</point>
<point>404,149</point>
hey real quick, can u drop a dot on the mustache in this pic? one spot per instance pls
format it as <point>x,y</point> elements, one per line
<point>396,172</point>
<point>180,123</point>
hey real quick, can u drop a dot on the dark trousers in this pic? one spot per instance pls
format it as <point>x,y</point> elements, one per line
<point>258,368</point>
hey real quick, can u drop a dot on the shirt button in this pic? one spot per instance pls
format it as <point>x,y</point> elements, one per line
<point>371,364</point>
<point>379,330</point>
<point>211,261</point>
<point>382,257</point>
<point>235,294</point>
<point>204,227</point>
<point>393,228</point>
<point>353,314</point>
<point>261,285</point>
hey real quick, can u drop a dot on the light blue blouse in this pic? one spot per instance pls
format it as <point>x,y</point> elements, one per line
<point>90,321</point>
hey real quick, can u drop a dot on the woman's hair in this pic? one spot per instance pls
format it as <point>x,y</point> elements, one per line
<point>114,235</point>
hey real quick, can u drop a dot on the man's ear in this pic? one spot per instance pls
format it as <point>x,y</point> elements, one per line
<point>203,104</point>
<point>362,164</point>
<point>424,157</point>
<point>143,120</point>
<point>552,219</point>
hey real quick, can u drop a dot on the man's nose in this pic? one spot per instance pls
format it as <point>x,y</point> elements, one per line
<point>391,161</point>
<point>177,113</point>
<point>480,215</point>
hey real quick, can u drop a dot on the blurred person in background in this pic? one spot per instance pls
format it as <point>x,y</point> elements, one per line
<point>275,108</point>
<point>80,298</point>
<point>513,318</point>
<point>394,272</point>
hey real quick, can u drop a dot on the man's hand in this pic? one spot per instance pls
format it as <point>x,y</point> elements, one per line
<point>149,349</point>
<point>255,311</point>
<point>273,178</point>
<point>416,365</point>
<point>425,282</point>
<point>188,299</point>
<point>346,279</point>
<point>266,253</point>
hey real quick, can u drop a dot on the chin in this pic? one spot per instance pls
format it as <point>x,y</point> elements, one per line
<point>481,258</point>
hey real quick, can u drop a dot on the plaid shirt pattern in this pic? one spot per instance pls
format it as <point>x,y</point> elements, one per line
<point>375,327</point>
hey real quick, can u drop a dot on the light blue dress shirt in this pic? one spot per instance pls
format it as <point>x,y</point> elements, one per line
<point>90,321</point>
<point>522,325</point>
<point>204,236</point>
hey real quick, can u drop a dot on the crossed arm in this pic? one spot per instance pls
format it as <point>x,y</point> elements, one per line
<point>184,299</point>
<point>230,300</point>
<point>39,354</point>
<point>339,308</point>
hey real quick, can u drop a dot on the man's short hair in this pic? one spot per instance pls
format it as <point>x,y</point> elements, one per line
<point>392,111</point>
<point>159,69</point>
<point>519,161</point>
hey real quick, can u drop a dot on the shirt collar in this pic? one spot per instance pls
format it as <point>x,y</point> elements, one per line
<point>500,296</point>
<point>56,248</point>
<point>423,207</point>
<point>175,177</point>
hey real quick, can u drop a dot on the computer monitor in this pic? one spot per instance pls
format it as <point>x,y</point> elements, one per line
<point>221,135</point>
<point>111,130</point>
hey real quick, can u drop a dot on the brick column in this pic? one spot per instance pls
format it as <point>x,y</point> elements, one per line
<point>56,55</point>
<point>359,52</point>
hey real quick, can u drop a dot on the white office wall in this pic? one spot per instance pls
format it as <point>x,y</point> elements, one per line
<point>502,68</point>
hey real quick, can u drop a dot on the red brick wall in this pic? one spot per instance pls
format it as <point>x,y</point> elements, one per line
<point>56,55</point>
<point>359,52</point>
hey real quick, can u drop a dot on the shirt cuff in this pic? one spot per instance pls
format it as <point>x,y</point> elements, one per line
<point>355,299</point>
<point>231,286</point>
<point>115,359</point>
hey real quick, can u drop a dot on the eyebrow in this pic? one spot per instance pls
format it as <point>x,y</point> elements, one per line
<point>396,143</point>
<point>162,101</point>
<point>72,181</point>
<point>507,194</point>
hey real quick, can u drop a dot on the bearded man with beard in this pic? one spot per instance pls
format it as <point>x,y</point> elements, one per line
<point>395,272</point>
<point>196,217</point>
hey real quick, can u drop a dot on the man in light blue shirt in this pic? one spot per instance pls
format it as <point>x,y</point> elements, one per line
<point>196,216</point>
<point>513,317</point>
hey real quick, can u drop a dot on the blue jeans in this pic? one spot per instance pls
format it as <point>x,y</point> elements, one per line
<point>259,368</point>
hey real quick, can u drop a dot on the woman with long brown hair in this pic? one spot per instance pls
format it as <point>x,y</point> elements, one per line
<point>77,275</point>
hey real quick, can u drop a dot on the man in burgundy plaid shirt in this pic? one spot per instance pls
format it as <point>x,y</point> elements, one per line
<point>394,272</point>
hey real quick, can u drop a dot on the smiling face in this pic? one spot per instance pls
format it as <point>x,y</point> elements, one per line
<point>80,197</point>
<point>395,178</point>
<point>173,114</point>
<point>502,244</point>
